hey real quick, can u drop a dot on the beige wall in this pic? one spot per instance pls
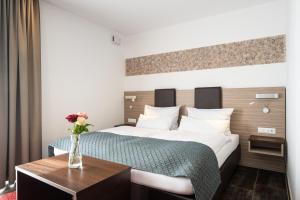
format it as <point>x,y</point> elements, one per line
<point>81,71</point>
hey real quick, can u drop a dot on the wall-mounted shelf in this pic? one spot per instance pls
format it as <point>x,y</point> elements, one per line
<point>273,146</point>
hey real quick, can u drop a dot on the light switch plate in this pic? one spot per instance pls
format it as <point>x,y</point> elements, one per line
<point>266,130</point>
<point>131,120</point>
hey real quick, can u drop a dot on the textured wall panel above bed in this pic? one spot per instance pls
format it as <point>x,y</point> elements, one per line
<point>250,52</point>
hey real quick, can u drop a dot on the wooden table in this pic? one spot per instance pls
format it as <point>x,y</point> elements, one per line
<point>51,179</point>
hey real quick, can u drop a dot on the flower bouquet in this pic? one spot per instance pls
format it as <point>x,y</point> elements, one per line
<point>80,126</point>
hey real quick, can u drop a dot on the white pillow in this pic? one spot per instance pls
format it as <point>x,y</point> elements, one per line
<point>212,114</point>
<point>155,122</point>
<point>223,113</point>
<point>203,126</point>
<point>164,112</point>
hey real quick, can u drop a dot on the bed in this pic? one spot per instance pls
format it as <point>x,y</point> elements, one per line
<point>147,185</point>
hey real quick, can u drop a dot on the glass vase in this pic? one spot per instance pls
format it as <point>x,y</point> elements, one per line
<point>75,158</point>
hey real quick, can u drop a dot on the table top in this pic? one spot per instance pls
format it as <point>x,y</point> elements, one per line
<point>55,172</point>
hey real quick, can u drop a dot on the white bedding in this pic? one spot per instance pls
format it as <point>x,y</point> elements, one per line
<point>222,145</point>
<point>214,141</point>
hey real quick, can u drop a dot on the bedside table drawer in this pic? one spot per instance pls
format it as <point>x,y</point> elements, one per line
<point>266,145</point>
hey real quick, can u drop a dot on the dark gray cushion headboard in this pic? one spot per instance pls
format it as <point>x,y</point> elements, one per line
<point>208,98</point>
<point>165,97</point>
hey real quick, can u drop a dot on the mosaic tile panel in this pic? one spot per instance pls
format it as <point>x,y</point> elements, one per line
<point>250,52</point>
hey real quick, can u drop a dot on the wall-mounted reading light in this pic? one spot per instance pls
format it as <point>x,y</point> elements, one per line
<point>267,96</point>
<point>265,109</point>
<point>132,98</point>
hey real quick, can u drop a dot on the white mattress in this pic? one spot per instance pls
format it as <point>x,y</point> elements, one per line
<point>222,147</point>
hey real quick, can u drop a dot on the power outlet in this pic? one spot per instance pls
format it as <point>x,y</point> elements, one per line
<point>266,130</point>
<point>131,120</point>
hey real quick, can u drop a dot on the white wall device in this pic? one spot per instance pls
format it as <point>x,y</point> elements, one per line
<point>266,130</point>
<point>267,96</point>
<point>116,39</point>
<point>131,120</point>
<point>132,98</point>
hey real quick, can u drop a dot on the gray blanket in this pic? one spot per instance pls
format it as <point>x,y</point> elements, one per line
<point>171,158</point>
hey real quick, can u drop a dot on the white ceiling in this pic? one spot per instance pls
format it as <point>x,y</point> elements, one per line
<point>134,16</point>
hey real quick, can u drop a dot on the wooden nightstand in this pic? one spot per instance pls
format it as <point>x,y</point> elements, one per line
<point>125,124</point>
<point>273,146</point>
<point>51,178</point>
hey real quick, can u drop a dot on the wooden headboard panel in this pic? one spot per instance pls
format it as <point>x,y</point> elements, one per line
<point>246,118</point>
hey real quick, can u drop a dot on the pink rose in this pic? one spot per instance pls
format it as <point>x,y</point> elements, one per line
<point>82,114</point>
<point>81,121</point>
<point>72,118</point>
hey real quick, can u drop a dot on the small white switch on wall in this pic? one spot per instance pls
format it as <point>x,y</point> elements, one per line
<point>131,120</point>
<point>266,130</point>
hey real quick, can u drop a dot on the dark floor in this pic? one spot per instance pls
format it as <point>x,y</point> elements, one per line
<point>256,184</point>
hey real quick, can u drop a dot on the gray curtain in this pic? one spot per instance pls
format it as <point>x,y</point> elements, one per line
<point>20,85</point>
